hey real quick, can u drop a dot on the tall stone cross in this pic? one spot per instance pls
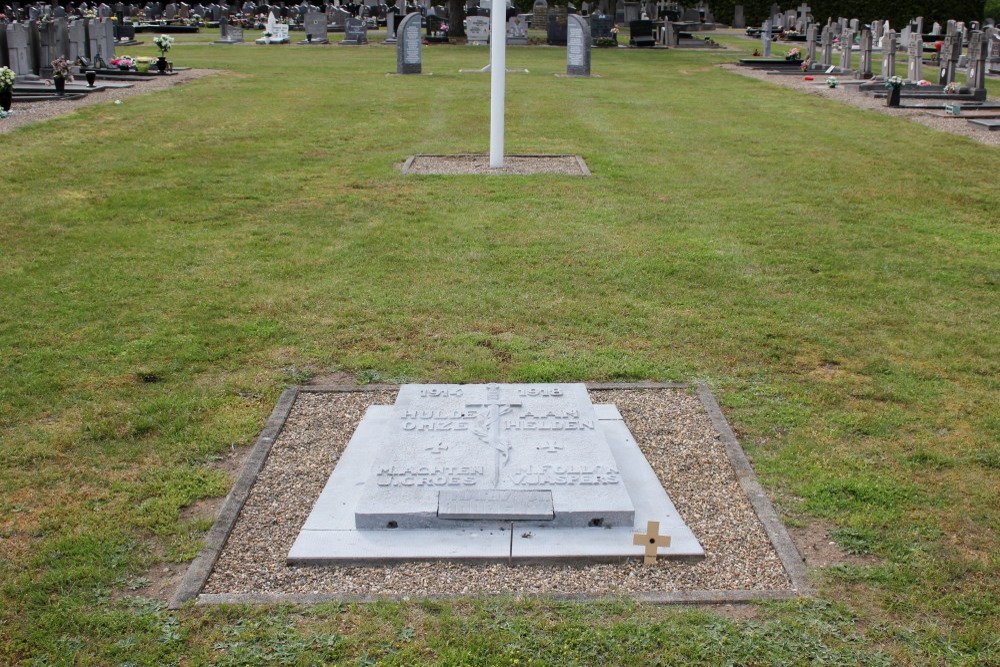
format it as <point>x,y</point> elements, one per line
<point>487,427</point>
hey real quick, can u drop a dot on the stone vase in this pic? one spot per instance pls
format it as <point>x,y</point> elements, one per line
<point>91,77</point>
<point>60,84</point>
<point>893,99</point>
<point>6,98</point>
<point>161,64</point>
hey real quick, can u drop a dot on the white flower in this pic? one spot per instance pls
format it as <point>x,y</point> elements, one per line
<point>118,101</point>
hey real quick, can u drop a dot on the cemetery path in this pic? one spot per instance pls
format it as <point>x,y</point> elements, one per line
<point>26,113</point>
<point>847,94</point>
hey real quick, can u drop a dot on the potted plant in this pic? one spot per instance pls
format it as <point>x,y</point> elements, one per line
<point>833,82</point>
<point>163,43</point>
<point>793,54</point>
<point>7,77</point>
<point>62,71</point>
<point>895,86</point>
<point>124,63</point>
<point>142,65</point>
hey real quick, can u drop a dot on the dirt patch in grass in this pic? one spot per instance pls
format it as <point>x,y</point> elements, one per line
<point>820,550</point>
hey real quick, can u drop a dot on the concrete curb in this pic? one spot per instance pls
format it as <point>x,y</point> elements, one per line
<point>200,569</point>
<point>790,557</point>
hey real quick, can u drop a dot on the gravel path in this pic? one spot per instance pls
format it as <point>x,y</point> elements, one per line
<point>673,430</point>
<point>849,94</point>
<point>33,112</point>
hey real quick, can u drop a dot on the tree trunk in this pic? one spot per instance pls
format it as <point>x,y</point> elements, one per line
<point>456,18</point>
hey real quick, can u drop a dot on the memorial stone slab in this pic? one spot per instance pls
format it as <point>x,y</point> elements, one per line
<point>577,47</point>
<point>454,471</point>
<point>517,31</point>
<point>316,28</point>
<point>477,30</point>
<point>915,58</point>
<point>865,61</point>
<point>356,32</point>
<point>408,45</point>
<point>106,28</point>
<point>555,34</point>
<point>17,49</point>
<point>738,20</point>
<point>888,55</point>
<point>76,41</point>
<point>540,15</point>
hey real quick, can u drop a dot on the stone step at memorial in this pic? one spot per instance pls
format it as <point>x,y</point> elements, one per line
<point>454,471</point>
<point>985,123</point>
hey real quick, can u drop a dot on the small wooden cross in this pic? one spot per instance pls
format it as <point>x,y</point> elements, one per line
<point>652,540</point>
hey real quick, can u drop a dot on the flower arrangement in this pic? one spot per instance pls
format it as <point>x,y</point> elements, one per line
<point>125,62</point>
<point>7,77</point>
<point>894,82</point>
<point>163,43</point>
<point>62,69</point>
<point>952,88</point>
<point>793,54</point>
<point>805,65</point>
<point>923,82</point>
<point>833,82</point>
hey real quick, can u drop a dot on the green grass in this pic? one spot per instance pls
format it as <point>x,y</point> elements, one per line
<point>172,263</point>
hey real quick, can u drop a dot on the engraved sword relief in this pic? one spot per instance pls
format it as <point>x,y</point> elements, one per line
<point>487,428</point>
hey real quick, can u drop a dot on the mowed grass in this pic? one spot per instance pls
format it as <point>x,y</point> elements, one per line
<point>172,263</point>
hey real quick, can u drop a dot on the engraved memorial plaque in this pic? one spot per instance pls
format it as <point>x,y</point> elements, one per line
<point>408,45</point>
<point>577,46</point>
<point>493,437</point>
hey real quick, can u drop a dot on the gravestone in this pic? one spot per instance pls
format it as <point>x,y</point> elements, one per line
<point>76,41</point>
<point>631,12</point>
<point>477,30</point>
<point>336,19</point>
<point>106,27</point>
<point>811,43</point>
<point>846,46</point>
<point>170,11</point>
<point>577,46</point>
<point>315,28</point>
<point>517,31</point>
<point>229,34</point>
<point>951,51</point>
<point>915,58</point>
<point>454,471</point>
<point>52,45</point>
<point>668,34</point>
<point>888,55</point>
<point>826,47</point>
<point>738,20</point>
<point>17,49</point>
<point>408,45</point>
<point>392,20</point>
<point>356,32</point>
<point>976,74</point>
<point>556,31</point>
<point>641,34</point>
<point>600,27</point>
<point>765,38</point>
<point>540,15</point>
<point>865,61</point>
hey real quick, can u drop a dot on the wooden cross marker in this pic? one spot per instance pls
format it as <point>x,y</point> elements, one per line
<point>652,540</point>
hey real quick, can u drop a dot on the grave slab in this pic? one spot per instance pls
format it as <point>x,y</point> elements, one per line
<point>991,125</point>
<point>453,471</point>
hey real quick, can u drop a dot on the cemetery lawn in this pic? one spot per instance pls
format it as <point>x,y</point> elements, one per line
<point>172,263</point>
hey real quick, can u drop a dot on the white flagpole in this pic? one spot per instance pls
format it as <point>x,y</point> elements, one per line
<point>498,74</point>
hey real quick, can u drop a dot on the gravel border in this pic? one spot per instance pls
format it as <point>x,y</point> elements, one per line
<point>684,437</point>
<point>569,165</point>
<point>848,93</point>
<point>26,113</point>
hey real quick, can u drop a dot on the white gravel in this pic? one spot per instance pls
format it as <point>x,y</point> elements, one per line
<point>33,112</point>
<point>673,430</point>
<point>849,94</point>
